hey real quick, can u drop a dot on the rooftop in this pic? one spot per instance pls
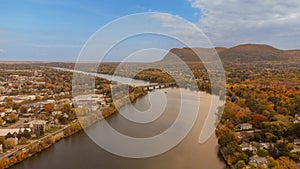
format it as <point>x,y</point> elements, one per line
<point>4,132</point>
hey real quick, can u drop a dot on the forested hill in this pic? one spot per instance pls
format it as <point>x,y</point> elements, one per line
<point>239,54</point>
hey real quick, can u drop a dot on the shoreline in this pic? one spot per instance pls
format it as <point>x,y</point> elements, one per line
<point>72,128</point>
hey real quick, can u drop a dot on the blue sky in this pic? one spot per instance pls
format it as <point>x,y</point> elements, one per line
<point>56,30</point>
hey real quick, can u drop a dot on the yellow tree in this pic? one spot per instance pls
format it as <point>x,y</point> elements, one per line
<point>284,162</point>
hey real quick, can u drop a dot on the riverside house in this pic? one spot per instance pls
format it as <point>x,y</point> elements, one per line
<point>258,161</point>
<point>244,126</point>
<point>37,125</point>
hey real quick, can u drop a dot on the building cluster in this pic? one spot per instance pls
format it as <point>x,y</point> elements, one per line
<point>30,107</point>
<point>256,160</point>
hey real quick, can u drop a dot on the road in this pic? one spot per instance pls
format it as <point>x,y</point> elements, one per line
<point>24,147</point>
<point>18,124</point>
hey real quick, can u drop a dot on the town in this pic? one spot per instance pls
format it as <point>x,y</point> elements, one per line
<point>36,103</point>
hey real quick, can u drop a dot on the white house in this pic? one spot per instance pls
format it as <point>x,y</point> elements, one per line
<point>258,161</point>
<point>56,113</point>
<point>244,126</point>
<point>297,141</point>
<point>38,124</point>
<point>247,146</point>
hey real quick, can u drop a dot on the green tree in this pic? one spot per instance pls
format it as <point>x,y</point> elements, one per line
<point>262,153</point>
<point>25,133</point>
<point>295,157</point>
<point>271,162</point>
<point>240,165</point>
<point>296,129</point>
<point>241,157</point>
<point>283,149</point>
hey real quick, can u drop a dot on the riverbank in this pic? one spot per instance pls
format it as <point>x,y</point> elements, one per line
<point>79,151</point>
<point>39,145</point>
<point>74,127</point>
<point>222,156</point>
<point>92,117</point>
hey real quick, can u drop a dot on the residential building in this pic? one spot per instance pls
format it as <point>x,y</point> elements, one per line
<point>258,161</point>
<point>37,125</point>
<point>244,126</point>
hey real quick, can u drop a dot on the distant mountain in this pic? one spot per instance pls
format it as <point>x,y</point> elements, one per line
<point>241,53</point>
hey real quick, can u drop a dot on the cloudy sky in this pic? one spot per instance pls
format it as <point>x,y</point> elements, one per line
<point>57,30</point>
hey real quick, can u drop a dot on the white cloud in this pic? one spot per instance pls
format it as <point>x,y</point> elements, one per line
<point>54,45</point>
<point>2,51</point>
<point>231,22</point>
<point>176,27</point>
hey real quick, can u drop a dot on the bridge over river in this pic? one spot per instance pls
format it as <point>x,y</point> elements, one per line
<point>160,86</point>
<point>124,80</point>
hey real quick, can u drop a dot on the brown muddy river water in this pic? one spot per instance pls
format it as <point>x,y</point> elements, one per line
<point>80,152</point>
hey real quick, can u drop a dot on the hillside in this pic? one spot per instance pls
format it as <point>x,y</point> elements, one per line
<point>240,54</point>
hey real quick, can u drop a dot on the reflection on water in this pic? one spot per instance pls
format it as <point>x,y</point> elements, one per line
<point>78,151</point>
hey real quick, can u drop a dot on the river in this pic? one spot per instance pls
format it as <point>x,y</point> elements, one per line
<point>120,79</point>
<point>80,152</point>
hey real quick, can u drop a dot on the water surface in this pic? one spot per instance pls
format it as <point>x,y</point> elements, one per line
<point>80,152</point>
